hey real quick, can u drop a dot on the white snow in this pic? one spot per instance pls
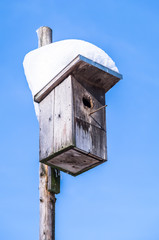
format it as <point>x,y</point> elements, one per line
<point>43,64</point>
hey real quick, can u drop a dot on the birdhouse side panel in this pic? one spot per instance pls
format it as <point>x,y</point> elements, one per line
<point>99,144</point>
<point>63,115</point>
<point>90,130</point>
<point>46,125</point>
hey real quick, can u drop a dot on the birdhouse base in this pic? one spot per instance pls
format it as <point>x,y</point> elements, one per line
<point>73,161</point>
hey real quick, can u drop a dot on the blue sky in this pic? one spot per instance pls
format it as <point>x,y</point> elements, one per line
<point>118,200</point>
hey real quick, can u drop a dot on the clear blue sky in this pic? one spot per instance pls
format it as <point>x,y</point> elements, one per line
<point>118,200</point>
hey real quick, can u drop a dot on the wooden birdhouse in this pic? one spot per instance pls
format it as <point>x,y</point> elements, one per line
<point>72,116</point>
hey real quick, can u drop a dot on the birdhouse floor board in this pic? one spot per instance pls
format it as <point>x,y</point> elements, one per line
<point>73,161</point>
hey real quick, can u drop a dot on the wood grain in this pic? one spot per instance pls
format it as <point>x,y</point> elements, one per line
<point>47,198</point>
<point>63,115</point>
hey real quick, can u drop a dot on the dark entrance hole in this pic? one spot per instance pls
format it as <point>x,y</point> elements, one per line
<point>87,102</point>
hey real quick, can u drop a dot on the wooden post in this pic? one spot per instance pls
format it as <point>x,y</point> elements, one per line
<point>47,198</point>
<point>44,36</point>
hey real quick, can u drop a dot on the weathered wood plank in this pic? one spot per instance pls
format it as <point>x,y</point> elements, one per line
<point>74,161</point>
<point>63,115</point>
<point>46,126</point>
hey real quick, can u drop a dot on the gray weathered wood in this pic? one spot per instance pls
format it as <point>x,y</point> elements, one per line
<point>90,130</point>
<point>73,141</point>
<point>63,115</point>
<point>44,36</point>
<point>46,126</point>
<point>47,207</point>
<point>74,161</point>
<point>47,199</point>
<point>56,119</point>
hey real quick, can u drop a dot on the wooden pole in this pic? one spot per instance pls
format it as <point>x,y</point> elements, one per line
<point>44,36</point>
<point>47,198</point>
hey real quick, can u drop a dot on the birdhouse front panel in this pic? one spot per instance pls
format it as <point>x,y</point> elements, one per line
<point>56,120</point>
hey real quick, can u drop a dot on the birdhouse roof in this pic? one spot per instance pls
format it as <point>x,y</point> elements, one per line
<point>43,65</point>
<point>94,73</point>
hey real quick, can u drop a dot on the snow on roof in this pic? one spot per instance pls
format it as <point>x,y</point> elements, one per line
<point>43,64</point>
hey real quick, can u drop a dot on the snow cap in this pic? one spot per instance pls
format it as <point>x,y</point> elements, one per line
<point>43,64</point>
